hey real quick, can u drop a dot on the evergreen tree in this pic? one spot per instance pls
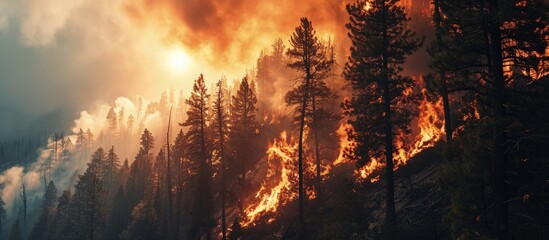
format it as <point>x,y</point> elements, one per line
<point>319,96</point>
<point>243,130</point>
<point>220,138</point>
<point>98,160</point>
<point>200,161</point>
<point>111,168</point>
<point>87,212</point>
<point>47,213</point>
<point>117,219</point>
<point>144,224</point>
<point>308,58</point>
<point>61,223</point>
<point>497,50</point>
<point>112,122</point>
<point>180,177</point>
<point>140,171</point>
<point>380,44</point>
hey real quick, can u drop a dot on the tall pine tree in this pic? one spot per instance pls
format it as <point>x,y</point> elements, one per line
<point>380,43</point>
<point>200,160</point>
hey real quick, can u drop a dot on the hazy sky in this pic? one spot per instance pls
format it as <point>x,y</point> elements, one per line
<point>59,57</point>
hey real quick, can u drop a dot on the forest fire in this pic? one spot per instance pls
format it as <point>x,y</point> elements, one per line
<point>430,128</point>
<point>277,188</point>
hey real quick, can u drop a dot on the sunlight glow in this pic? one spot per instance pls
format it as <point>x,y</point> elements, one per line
<point>178,60</point>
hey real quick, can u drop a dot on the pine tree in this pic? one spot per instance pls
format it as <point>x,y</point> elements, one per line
<point>98,160</point>
<point>497,50</point>
<point>200,160</point>
<point>61,223</point>
<point>117,219</point>
<point>319,95</point>
<point>179,170</point>
<point>220,138</point>
<point>47,213</point>
<point>112,122</point>
<point>243,127</point>
<point>140,171</point>
<point>111,168</point>
<point>380,44</point>
<point>87,212</point>
<point>144,224</point>
<point>308,58</point>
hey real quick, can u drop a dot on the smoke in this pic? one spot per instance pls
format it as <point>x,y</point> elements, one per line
<point>63,159</point>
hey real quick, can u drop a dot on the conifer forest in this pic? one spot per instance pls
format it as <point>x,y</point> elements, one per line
<point>245,119</point>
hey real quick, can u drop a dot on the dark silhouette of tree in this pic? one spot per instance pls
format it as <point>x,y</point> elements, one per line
<point>180,177</point>
<point>87,212</point>
<point>243,136</point>
<point>111,167</point>
<point>307,57</point>
<point>144,224</point>
<point>220,138</point>
<point>380,44</point>
<point>60,228</point>
<point>140,171</point>
<point>117,219</point>
<point>498,49</point>
<point>47,213</point>
<point>200,161</point>
<point>319,94</point>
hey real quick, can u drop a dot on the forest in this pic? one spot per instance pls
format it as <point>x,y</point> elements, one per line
<point>321,139</point>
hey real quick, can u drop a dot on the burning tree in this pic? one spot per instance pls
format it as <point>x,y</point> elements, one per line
<point>380,44</point>
<point>308,57</point>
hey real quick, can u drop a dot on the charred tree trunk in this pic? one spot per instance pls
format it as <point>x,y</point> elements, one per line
<point>499,114</point>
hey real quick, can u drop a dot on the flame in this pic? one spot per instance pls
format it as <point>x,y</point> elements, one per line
<point>430,125</point>
<point>279,185</point>
<point>281,155</point>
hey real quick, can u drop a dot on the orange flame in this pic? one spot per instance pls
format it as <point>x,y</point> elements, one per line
<point>280,155</point>
<point>431,128</point>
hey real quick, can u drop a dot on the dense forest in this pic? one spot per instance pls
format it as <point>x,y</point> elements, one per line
<point>313,144</point>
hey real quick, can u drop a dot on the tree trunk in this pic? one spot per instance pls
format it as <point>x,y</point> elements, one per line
<point>499,114</point>
<point>301,129</point>
<point>390,202</point>
<point>442,77</point>
<point>222,154</point>
<point>317,149</point>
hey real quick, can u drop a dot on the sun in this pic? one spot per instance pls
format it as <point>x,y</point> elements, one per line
<point>178,61</point>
